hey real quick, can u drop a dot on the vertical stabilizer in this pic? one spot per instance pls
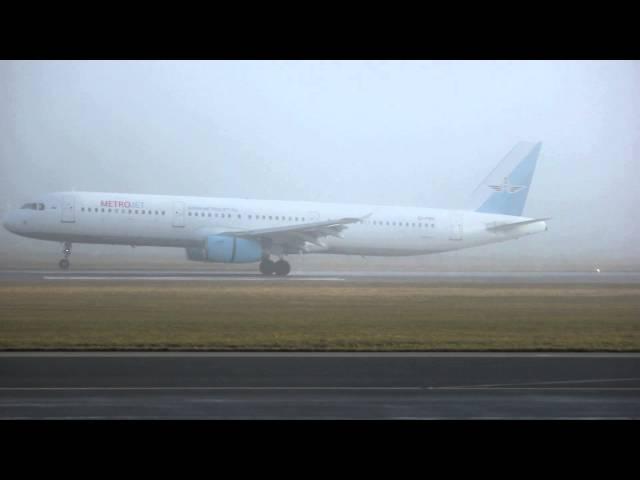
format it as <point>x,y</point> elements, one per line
<point>505,190</point>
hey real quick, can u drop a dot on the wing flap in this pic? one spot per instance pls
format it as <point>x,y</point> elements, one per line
<point>296,237</point>
<point>320,227</point>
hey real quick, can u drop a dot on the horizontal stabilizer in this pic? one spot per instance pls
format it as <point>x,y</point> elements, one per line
<point>508,226</point>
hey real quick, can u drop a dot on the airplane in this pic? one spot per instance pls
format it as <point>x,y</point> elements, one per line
<point>231,230</point>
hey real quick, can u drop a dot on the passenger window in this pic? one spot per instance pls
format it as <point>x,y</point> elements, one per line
<point>82,209</point>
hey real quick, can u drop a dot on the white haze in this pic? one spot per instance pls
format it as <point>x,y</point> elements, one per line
<point>386,132</point>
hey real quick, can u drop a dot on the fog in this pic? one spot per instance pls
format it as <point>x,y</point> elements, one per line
<point>420,133</point>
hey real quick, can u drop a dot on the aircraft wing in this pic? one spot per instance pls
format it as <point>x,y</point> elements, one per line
<point>294,238</point>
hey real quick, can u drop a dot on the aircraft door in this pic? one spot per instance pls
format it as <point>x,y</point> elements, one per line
<point>68,209</point>
<point>178,214</point>
<point>456,222</point>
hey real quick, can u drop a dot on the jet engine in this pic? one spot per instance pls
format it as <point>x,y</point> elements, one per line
<point>226,249</point>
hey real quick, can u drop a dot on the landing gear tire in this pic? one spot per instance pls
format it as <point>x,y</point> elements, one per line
<point>64,263</point>
<point>282,268</point>
<point>267,267</point>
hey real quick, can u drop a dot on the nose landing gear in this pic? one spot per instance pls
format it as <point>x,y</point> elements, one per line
<point>269,267</point>
<point>64,264</point>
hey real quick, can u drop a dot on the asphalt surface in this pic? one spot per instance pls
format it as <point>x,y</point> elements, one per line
<point>52,276</point>
<point>319,385</point>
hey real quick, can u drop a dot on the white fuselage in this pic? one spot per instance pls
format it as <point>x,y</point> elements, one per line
<point>179,221</point>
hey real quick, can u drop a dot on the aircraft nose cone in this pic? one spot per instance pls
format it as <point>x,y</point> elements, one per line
<point>9,222</point>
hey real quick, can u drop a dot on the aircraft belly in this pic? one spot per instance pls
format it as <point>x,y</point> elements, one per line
<point>380,245</point>
<point>104,231</point>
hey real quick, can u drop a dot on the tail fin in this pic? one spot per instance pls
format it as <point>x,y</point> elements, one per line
<point>505,190</point>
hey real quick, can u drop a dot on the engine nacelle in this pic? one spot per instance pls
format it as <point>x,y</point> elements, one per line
<point>226,249</point>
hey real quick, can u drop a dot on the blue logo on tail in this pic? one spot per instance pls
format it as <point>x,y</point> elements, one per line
<point>507,187</point>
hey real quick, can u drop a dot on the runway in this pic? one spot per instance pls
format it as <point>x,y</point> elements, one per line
<point>19,276</point>
<point>405,385</point>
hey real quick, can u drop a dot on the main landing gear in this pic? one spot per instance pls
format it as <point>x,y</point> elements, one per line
<point>269,267</point>
<point>64,263</point>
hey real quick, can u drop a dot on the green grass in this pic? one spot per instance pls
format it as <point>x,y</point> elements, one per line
<point>319,316</point>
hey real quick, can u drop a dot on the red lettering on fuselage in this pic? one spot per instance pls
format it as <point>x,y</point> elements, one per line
<point>121,204</point>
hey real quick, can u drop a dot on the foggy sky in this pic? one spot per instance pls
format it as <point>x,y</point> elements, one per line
<point>384,132</point>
